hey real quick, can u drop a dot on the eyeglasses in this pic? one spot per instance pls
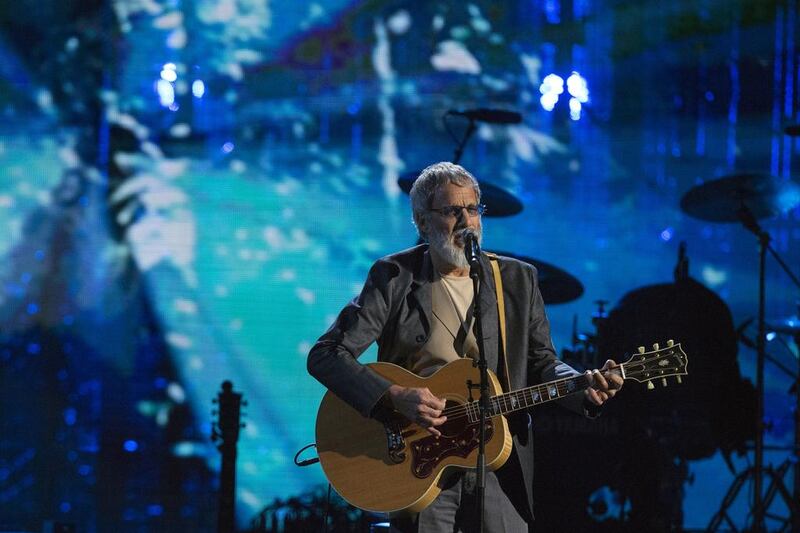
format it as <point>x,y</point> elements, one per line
<point>455,211</point>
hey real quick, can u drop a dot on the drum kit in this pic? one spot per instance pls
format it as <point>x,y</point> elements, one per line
<point>698,420</point>
<point>746,199</point>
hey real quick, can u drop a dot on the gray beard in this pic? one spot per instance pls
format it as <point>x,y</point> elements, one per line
<point>448,251</point>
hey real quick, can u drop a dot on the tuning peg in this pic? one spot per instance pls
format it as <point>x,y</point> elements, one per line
<point>655,346</point>
<point>679,380</point>
<point>650,385</point>
<point>641,349</point>
<point>663,382</point>
<point>670,343</point>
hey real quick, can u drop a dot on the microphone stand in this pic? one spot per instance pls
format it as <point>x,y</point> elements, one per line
<point>476,272</point>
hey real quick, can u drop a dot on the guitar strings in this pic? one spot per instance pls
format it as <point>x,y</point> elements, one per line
<point>519,399</point>
<point>512,399</point>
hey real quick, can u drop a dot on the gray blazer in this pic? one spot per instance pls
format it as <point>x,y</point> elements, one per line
<point>394,309</point>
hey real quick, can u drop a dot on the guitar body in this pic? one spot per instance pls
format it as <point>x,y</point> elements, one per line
<point>393,465</point>
<point>390,465</point>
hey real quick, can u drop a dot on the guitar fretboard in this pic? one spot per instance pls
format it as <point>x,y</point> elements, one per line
<point>535,395</point>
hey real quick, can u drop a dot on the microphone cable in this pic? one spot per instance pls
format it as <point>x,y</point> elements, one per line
<point>305,462</point>
<point>309,462</point>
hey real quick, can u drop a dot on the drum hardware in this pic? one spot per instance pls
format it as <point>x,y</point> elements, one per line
<point>498,201</point>
<point>746,198</point>
<point>791,326</point>
<point>583,353</point>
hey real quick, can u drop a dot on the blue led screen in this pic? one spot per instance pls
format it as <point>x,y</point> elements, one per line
<point>190,191</point>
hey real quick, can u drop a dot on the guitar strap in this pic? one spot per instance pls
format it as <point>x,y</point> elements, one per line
<point>501,313</point>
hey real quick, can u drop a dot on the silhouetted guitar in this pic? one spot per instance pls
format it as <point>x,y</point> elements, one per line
<point>394,465</point>
<point>226,431</point>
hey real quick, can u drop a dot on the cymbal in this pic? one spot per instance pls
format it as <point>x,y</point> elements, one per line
<point>720,200</point>
<point>557,285</point>
<point>498,202</point>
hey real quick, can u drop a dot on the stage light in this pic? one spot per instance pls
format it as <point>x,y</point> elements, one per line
<point>166,93</point>
<point>574,109</point>
<point>130,446</point>
<point>548,101</point>
<point>198,88</point>
<point>227,147</point>
<point>666,235</point>
<point>577,87</point>
<point>169,75</point>
<point>552,86</point>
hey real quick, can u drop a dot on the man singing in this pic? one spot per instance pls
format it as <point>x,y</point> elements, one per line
<point>418,305</point>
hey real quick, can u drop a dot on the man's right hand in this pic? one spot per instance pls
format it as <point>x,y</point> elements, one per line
<point>418,405</point>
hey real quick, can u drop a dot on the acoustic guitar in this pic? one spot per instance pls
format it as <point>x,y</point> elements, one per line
<point>390,465</point>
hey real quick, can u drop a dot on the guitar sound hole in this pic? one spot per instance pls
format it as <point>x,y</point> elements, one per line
<point>456,423</point>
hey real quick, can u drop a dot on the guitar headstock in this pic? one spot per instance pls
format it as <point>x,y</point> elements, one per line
<point>227,425</point>
<point>659,363</point>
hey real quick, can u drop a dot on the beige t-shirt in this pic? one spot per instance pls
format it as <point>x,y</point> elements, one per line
<point>451,326</point>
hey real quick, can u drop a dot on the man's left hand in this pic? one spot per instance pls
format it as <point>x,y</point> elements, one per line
<point>603,383</point>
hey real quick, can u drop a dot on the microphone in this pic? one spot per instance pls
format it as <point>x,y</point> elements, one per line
<point>490,116</point>
<point>793,130</point>
<point>472,249</point>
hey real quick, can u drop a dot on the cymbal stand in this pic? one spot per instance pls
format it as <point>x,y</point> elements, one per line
<point>796,387</point>
<point>459,151</point>
<point>757,471</point>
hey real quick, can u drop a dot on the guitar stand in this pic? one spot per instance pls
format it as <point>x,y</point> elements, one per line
<point>776,486</point>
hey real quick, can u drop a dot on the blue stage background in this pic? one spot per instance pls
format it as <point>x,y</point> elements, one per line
<point>191,190</point>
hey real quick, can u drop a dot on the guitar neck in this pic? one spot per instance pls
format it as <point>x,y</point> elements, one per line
<point>542,393</point>
<point>226,518</point>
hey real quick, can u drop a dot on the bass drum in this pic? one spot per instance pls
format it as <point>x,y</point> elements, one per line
<point>714,408</point>
<point>626,470</point>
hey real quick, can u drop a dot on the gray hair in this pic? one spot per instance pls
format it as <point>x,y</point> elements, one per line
<point>430,180</point>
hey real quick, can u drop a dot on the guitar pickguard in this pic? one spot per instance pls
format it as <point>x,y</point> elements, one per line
<point>428,452</point>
